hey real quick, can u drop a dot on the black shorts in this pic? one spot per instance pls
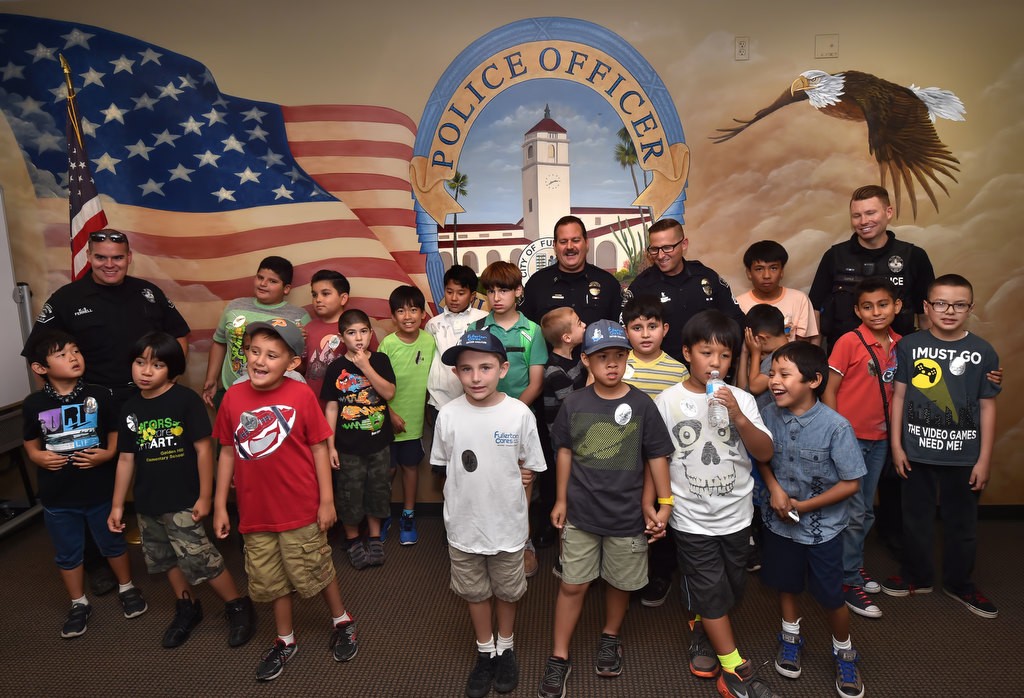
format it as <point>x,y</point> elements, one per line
<point>790,567</point>
<point>407,453</point>
<point>714,570</point>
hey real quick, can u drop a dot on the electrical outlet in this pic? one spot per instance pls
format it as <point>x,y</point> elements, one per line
<point>742,48</point>
<point>826,46</point>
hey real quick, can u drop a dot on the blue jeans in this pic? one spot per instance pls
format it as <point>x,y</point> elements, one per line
<point>860,510</point>
<point>66,526</point>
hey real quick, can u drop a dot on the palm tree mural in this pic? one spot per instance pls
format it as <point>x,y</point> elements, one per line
<point>459,186</point>
<point>633,243</point>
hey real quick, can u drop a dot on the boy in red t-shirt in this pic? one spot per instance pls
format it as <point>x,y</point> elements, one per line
<point>280,466</point>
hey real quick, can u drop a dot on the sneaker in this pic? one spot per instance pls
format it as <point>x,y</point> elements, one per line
<point>241,615</point>
<point>530,563</point>
<point>480,679</point>
<point>407,530</point>
<point>133,603</point>
<point>506,672</point>
<point>102,580</point>
<point>272,662</point>
<point>860,603</point>
<point>743,682</point>
<point>556,671</point>
<point>609,656</point>
<point>703,660</point>
<point>357,556</point>
<point>187,615</point>
<point>848,681</point>
<point>754,556</point>
<point>787,660</point>
<point>385,527</point>
<point>898,586</point>
<point>976,602</point>
<point>556,569</point>
<point>656,591</point>
<point>375,553</point>
<point>344,641</point>
<point>77,620</point>
<point>868,583</point>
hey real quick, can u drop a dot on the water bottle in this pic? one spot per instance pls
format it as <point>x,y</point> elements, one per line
<point>718,416</point>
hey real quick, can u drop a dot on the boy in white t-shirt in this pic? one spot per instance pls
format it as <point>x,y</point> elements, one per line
<point>486,443</point>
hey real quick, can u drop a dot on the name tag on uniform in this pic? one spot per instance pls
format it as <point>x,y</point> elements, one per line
<point>557,297</point>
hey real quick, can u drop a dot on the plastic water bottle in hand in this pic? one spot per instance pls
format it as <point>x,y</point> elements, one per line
<point>718,416</point>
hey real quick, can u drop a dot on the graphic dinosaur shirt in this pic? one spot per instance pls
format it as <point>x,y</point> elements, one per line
<point>610,440</point>
<point>710,467</point>
<point>945,383</point>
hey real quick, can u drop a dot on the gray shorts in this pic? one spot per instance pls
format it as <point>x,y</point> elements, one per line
<point>175,540</point>
<point>363,487</point>
<point>619,560</point>
<point>477,577</point>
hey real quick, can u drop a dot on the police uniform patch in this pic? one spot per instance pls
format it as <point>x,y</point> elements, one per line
<point>46,314</point>
<point>147,293</point>
<point>895,264</point>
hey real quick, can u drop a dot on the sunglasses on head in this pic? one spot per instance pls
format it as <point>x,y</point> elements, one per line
<point>103,236</point>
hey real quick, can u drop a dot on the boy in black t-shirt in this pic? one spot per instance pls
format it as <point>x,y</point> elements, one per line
<point>164,437</point>
<point>356,389</point>
<point>69,433</point>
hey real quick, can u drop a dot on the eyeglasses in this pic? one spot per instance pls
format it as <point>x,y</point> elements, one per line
<point>664,249</point>
<point>103,236</point>
<point>943,306</point>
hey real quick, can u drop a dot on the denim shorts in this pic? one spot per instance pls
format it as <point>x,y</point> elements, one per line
<point>67,526</point>
<point>789,567</point>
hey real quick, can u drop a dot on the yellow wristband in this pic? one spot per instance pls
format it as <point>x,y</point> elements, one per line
<point>669,501</point>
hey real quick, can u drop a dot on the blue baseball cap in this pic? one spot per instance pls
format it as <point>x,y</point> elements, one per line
<point>475,340</point>
<point>605,334</point>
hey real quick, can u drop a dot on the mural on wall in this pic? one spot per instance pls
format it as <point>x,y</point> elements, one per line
<point>206,184</point>
<point>544,48</point>
<point>900,121</point>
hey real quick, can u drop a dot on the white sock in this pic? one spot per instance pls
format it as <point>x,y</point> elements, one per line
<point>121,588</point>
<point>487,647</point>
<point>343,618</point>
<point>846,645</point>
<point>288,639</point>
<point>83,600</point>
<point>504,643</point>
<point>791,628</point>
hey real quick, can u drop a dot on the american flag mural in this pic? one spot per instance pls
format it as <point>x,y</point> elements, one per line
<point>206,184</point>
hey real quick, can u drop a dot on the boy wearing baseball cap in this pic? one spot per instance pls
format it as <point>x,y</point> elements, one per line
<point>486,444</point>
<point>275,452</point>
<point>606,435</point>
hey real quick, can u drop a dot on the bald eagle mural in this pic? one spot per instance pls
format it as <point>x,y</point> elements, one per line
<point>900,120</point>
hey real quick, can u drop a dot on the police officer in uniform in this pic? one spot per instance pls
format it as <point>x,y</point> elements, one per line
<point>872,250</point>
<point>589,290</point>
<point>685,287</point>
<point>106,311</point>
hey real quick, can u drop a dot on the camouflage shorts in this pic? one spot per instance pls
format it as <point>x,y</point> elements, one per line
<point>175,540</point>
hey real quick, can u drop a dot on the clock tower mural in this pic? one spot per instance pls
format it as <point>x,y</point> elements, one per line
<point>545,177</point>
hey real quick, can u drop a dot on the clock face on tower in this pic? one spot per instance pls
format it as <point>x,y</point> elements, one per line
<point>552,181</point>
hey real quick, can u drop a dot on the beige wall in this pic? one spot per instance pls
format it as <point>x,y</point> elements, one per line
<point>787,178</point>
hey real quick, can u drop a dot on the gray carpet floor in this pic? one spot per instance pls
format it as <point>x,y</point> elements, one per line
<point>416,639</point>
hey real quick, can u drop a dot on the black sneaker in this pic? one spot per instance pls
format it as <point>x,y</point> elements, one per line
<point>102,580</point>
<point>272,662</point>
<point>656,591</point>
<point>860,603</point>
<point>375,553</point>
<point>976,602</point>
<point>133,603</point>
<point>609,656</point>
<point>898,586</point>
<point>556,671</point>
<point>703,660</point>
<point>506,672</point>
<point>742,682</point>
<point>357,556</point>
<point>187,615</point>
<point>344,641</point>
<point>241,615</point>
<point>77,620</point>
<point>480,679</point>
